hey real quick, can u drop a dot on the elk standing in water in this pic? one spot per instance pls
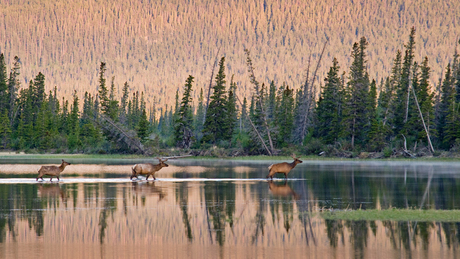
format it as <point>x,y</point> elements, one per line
<point>148,169</point>
<point>283,168</point>
<point>52,170</point>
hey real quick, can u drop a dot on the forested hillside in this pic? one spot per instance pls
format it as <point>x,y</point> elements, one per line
<point>155,45</point>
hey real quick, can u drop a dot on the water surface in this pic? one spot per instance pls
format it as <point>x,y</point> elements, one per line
<point>226,209</point>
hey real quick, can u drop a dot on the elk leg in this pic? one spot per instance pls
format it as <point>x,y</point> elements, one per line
<point>51,179</point>
<point>154,178</point>
<point>146,178</point>
<point>285,176</point>
<point>58,179</point>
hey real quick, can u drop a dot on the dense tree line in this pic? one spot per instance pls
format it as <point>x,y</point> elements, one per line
<point>351,113</point>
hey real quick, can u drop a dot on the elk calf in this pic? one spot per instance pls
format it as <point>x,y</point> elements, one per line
<point>148,169</point>
<point>52,170</point>
<point>283,168</point>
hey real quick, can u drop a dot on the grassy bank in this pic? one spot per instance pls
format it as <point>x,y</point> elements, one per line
<point>13,156</point>
<point>394,215</point>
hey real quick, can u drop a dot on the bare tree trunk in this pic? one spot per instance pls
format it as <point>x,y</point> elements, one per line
<point>423,121</point>
<point>256,84</point>
<point>210,86</point>
<point>254,128</point>
<point>308,96</point>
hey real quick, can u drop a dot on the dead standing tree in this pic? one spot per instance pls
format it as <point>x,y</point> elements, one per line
<point>307,102</point>
<point>259,99</point>
<point>116,132</point>
<point>210,85</point>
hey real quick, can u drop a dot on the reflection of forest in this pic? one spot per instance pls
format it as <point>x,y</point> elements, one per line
<point>233,214</point>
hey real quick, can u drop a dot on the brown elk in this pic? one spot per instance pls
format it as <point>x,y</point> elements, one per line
<point>148,169</point>
<point>283,168</point>
<point>52,170</point>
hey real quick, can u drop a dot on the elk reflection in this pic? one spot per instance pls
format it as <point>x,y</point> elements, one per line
<point>144,189</point>
<point>51,191</point>
<point>282,190</point>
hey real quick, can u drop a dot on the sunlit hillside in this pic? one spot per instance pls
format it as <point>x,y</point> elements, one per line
<point>155,45</point>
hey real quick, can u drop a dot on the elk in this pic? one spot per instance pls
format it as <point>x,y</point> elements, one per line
<point>52,170</point>
<point>283,168</point>
<point>148,169</point>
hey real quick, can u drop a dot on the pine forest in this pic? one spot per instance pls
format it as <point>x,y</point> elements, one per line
<point>230,78</point>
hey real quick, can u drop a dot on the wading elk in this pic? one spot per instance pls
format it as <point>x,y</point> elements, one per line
<point>52,170</point>
<point>148,169</point>
<point>283,168</point>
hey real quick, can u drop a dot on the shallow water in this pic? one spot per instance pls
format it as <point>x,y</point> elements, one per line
<point>226,209</point>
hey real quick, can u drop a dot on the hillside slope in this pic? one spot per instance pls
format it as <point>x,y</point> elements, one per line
<point>155,45</point>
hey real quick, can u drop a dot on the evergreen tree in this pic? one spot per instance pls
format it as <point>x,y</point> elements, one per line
<point>199,118</point>
<point>3,85</point>
<point>183,128</point>
<point>450,118</point>
<point>143,126</point>
<point>271,103</point>
<point>231,111</point>
<point>214,128</point>
<point>123,104</point>
<point>330,105</point>
<point>13,85</point>
<point>103,91</point>
<point>88,133</point>
<point>112,110</point>
<point>74,124</point>
<point>446,104</point>
<point>5,130</point>
<point>284,115</point>
<point>387,98</point>
<point>401,112</point>
<point>356,116</point>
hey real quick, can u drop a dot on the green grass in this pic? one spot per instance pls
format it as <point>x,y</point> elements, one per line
<point>394,215</point>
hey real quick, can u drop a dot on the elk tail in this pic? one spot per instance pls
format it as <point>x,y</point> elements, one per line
<point>270,167</point>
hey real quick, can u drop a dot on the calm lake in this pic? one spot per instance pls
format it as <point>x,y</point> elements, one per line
<point>227,209</point>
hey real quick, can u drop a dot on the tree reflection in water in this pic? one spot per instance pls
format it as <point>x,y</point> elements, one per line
<point>239,214</point>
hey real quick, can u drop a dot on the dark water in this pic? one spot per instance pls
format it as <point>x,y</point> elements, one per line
<point>220,209</point>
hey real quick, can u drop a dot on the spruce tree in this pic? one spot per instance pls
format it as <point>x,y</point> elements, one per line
<point>5,130</point>
<point>103,91</point>
<point>74,124</point>
<point>402,101</point>
<point>450,117</point>
<point>112,110</point>
<point>123,104</point>
<point>356,116</point>
<point>447,98</point>
<point>284,115</point>
<point>183,127</point>
<point>3,85</point>
<point>271,103</point>
<point>329,108</point>
<point>214,126</point>
<point>143,126</point>
<point>199,117</point>
<point>13,86</point>
<point>232,115</point>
